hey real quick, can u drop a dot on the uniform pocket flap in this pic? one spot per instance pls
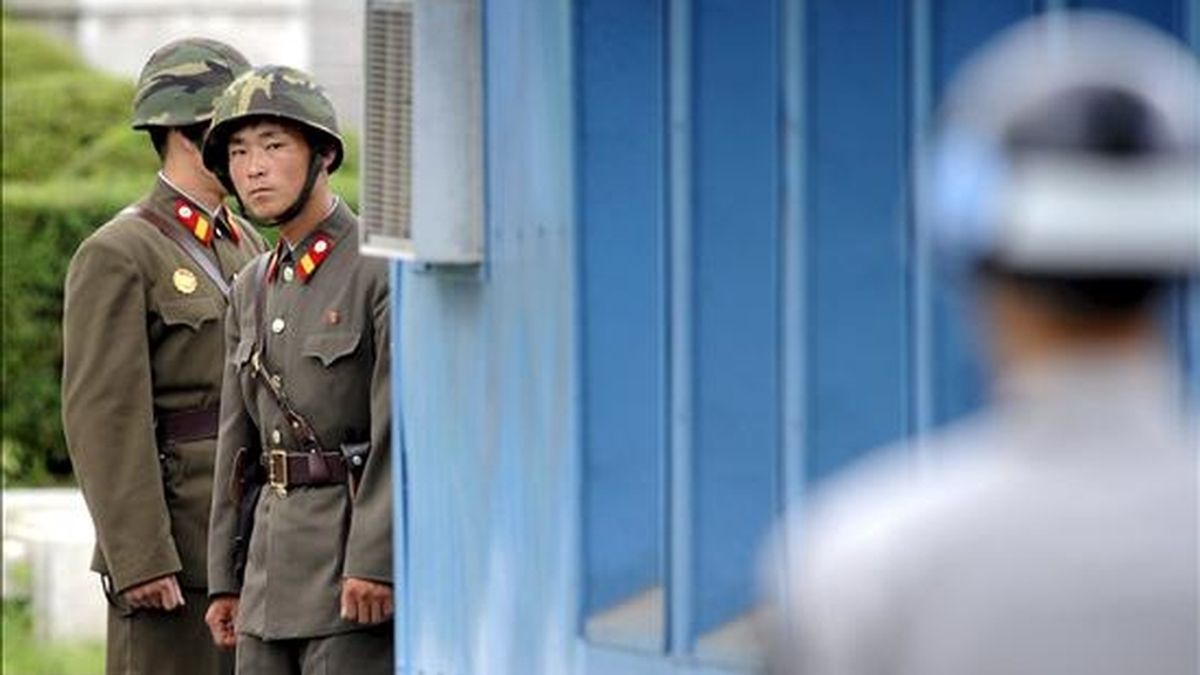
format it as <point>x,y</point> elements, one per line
<point>191,312</point>
<point>329,347</point>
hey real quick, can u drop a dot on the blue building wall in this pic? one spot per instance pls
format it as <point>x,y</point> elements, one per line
<point>703,293</point>
<point>487,387</point>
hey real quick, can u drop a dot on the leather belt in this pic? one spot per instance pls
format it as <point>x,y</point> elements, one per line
<point>296,469</point>
<point>183,426</point>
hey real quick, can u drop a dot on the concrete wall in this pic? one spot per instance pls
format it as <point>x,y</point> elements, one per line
<point>48,540</point>
<point>335,53</point>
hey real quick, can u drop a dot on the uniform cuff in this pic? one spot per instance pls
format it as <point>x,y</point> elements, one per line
<point>157,562</point>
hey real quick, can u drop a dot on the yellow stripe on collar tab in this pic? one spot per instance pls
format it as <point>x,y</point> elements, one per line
<point>314,256</point>
<point>191,218</point>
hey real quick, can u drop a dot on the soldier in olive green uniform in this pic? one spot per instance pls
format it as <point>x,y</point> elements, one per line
<point>143,331</point>
<point>305,402</point>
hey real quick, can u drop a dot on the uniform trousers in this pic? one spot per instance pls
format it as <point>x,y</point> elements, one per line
<point>362,652</point>
<point>154,642</point>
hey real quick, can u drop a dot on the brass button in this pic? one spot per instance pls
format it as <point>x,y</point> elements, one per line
<point>276,437</point>
<point>278,325</point>
<point>289,273</point>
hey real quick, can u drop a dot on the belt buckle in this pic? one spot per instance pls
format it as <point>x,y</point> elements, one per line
<point>277,472</point>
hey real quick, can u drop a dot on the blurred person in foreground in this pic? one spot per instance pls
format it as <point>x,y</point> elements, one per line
<point>300,549</point>
<point>1056,532</point>
<point>143,347</point>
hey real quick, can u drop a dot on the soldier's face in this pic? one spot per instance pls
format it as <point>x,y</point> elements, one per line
<point>268,163</point>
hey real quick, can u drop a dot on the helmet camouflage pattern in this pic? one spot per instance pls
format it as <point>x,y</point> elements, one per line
<point>270,91</point>
<point>181,81</point>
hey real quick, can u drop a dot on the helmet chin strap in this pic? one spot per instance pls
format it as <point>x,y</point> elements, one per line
<point>289,214</point>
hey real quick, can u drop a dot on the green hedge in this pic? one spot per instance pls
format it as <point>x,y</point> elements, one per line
<point>29,53</point>
<point>119,150</point>
<point>48,119</point>
<point>43,224</point>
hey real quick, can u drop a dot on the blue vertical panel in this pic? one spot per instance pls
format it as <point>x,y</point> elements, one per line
<point>857,274</point>
<point>679,191</point>
<point>962,26</point>
<point>1192,341</point>
<point>488,358</point>
<point>736,385</point>
<point>956,369</point>
<point>621,220</point>
<point>1192,33</point>
<point>1165,14</point>
<point>399,474</point>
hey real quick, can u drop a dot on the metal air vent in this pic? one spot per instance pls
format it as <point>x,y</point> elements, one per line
<point>422,176</point>
<point>387,138</point>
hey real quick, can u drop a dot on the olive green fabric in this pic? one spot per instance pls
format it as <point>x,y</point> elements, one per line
<point>152,642</point>
<point>181,80</point>
<point>270,91</point>
<point>365,652</point>
<point>327,340</point>
<point>134,343</point>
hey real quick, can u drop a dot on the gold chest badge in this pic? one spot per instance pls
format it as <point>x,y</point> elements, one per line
<point>184,280</point>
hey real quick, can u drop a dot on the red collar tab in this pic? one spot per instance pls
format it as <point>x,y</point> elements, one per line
<point>192,218</point>
<point>228,223</point>
<point>315,255</point>
<point>273,263</point>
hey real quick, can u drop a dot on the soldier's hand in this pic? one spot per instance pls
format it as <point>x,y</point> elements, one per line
<point>161,593</point>
<point>366,601</point>
<point>222,612</point>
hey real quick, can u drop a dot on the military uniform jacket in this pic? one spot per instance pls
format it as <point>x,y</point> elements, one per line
<point>1056,532</point>
<point>325,336</point>
<point>143,336</point>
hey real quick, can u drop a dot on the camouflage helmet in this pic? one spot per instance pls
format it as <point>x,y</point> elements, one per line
<point>181,81</point>
<point>270,91</point>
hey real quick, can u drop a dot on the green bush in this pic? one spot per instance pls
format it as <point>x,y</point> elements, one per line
<point>350,161</point>
<point>43,224</point>
<point>48,120</point>
<point>346,186</point>
<point>28,52</point>
<point>24,655</point>
<point>345,180</point>
<point>119,150</point>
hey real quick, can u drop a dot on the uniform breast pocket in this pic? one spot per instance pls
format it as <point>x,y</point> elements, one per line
<point>189,312</point>
<point>329,348</point>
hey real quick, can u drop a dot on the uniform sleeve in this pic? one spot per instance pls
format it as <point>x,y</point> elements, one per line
<point>237,430</point>
<point>108,414</point>
<point>369,547</point>
<point>831,593</point>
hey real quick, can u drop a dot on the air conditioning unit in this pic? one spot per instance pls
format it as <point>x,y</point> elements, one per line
<point>422,142</point>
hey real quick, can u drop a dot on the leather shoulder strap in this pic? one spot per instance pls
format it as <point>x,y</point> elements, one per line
<point>258,362</point>
<point>260,300</point>
<point>186,242</point>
